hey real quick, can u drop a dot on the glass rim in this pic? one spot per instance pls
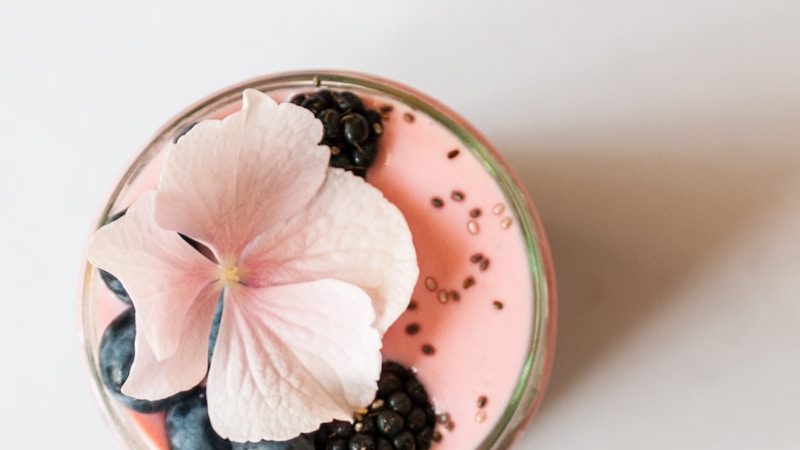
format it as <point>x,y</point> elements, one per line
<point>529,389</point>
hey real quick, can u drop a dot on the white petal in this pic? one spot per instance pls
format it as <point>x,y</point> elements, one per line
<point>151,379</point>
<point>289,358</point>
<point>227,181</point>
<point>161,272</point>
<point>348,232</point>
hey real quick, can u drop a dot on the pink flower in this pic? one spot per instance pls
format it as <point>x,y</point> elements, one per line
<point>313,264</point>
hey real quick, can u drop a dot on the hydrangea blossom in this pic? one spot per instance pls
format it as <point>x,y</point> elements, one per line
<point>313,265</point>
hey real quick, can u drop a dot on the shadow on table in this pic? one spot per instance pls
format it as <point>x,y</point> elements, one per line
<point>633,215</point>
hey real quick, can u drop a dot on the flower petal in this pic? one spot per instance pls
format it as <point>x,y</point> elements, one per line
<point>289,358</point>
<point>151,379</point>
<point>226,181</point>
<point>349,232</point>
<point>161,272</point>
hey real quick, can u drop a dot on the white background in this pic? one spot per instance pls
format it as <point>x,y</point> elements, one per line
<point>660,140</point>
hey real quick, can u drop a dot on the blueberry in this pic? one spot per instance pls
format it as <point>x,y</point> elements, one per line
<point>389,422</point>
<point>400,403</point>
<point>331,123</point>
<point>112,282</point>
<point>388,384</point>
<point>362,441</point>
<point>115,286</point>
<point>355,127</point>
<point>116,216</point>
<point>115,358</point>
<point>212,338</point>
<point>415,420</point>
<point>184,129</point>
<point>297,99</point>
<point>188,426</point>
<point>347,101</point>
<point>337,444</point>
<point>404,441</point>
<point>299,443</point>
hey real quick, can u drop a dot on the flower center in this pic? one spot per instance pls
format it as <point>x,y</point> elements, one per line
<point>230,274</point>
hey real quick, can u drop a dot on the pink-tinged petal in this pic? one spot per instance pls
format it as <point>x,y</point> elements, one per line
<point>151,379</point>
<point>349,232</point>
<point>289,358</point>
<point>161,272</point>
<point>227,181</point>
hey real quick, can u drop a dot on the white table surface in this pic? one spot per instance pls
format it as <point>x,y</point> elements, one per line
<point>660,140</point>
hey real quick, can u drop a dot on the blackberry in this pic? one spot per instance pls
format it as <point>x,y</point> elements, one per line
<point>351,130</point>
<point>400,418</point>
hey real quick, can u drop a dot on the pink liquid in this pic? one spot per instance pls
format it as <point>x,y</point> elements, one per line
<point>480,340</point>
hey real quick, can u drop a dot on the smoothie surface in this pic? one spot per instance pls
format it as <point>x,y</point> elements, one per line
<point>467,331</point>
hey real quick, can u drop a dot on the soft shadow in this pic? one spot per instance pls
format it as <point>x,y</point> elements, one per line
<point>633,215</point>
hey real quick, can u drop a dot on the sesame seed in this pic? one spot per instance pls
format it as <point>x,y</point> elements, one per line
<point>469,282</point>
<point>412,328</point>
<point>475,213</point>
<point>454,295</point>
<point>443,418</point>
<point>437,202</point>
<point>498,209</point>
<point>412,305</point>
<point>497,304</point>
<point>386,109</point>
<point>362,412</point>
<point>476,258</point>
<point>408,117</point>
<point>482,401</point>
<point>437,436</point>
<point>450,425</point>
<point>428,349</point>
<point>431,284</point>
<point>377,128</point>
<point>358,427</point>
<point>484,264</point>
<point>453,153</point>
<point>506,222</point>
<point>457,196</point>
<point>473,227</point>
<point>442,295</point>
<point>335,150</point>
<point>480,416</point>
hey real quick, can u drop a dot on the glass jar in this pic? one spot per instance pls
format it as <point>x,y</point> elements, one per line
<point>529,389</point>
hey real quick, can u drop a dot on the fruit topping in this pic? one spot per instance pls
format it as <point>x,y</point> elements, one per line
<point>400,417</point>
<point>188,426</point>
<point>351,130</point>
<point>116,356</point>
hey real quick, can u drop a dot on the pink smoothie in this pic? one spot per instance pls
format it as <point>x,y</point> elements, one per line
<point>467,332</point>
